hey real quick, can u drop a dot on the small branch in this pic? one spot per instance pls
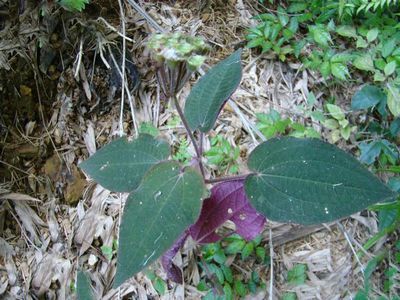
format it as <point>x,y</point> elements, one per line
<point>190,133</point>
<point>228,178</point>
<point>145,15</point>
<point>121,125</point>
<point>271,255</point>
<point>201,143</point>
<point>346,235</point>
<point>79,59</point>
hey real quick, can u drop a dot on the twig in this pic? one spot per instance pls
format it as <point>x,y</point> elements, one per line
<point>250,127</point>
<point>115,30</point>
<point>271,256</point>
<point>343,230</point>
<point>145,15</point>
<point>79,59</point>
<point>18,169</point>
<point>127,92</point>
<point>121,116</point>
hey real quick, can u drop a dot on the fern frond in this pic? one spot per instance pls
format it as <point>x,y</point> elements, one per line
<point>73,5</point>
<point>373,5</point>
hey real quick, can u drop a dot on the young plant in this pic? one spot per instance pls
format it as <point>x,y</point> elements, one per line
<point>275,32</point>
<point>223,155</point>
<point>338,124</point>
<point>226,281</point>
<point>305,181</point>
<point>272,125</point>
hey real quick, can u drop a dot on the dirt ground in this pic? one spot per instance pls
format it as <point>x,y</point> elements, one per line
<point>59,103</point>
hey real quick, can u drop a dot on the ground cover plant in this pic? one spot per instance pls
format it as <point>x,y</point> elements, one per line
<point>298,180</point>
<point>346,40</point>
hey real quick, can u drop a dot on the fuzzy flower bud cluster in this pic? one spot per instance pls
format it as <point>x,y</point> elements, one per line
<point>176,48</point>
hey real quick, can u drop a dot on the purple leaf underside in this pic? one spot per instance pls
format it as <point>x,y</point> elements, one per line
<point>228,201</point>
<point>173,271</point>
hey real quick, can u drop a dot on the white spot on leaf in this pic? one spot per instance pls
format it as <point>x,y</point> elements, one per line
<point>156,195</point>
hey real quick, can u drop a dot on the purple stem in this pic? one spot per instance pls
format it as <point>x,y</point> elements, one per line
<point>228,178</point>
<point>190,133</point>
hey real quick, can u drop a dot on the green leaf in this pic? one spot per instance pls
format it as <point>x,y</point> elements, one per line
<point>240,288</point>
<point>393,100</point>
<point>388,47</point>
<point>235,247</point>
<point>297,275</point>
<point>378,76</point>
<point>83,288</point>
<point>247,250</point>
<point>331,124</point>
<point>364,62</point>
<point>227,273</point>
<point>212,90</point>
<point>372,35</point>
<point>289,296</point>
<point>317,116</point>
<point>166,202</point>
<point>361,43</point>
<point>202,286</point>
<point>297,7</point>
<point>160,286</point>
<point>107,251</point>
<point>339,70</point>
<point>345,132</point>
<point>343,123</point>
<point>308,181</point>
<point>255,42</point>
<point>369,96</point>
<point>228,291</point>
<point>390,68</point>
<point>395,127</point>
<point>261,253</point>
<point>325,69</point>
<point>72,5</point>
<point>298,46</point>
<point>120,165</point>
<point>320,35</point>
<point>335,111</point>
<point>217,271</point>
<point>347,31</point>
<point>282,16</point>
<point>386,218</point>
<point>341,57</point>
<point>148,128</point>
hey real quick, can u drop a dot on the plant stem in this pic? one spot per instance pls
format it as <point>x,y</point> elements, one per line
<point>190,133</point>
<point>201,143</point>
<point>228,178</point>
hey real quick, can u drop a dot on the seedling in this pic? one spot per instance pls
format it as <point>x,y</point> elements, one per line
<point>223,155</point>
<point>272,125</point>
<point>297,180</point>
<point>338,124</point>
<point>215,257</point>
